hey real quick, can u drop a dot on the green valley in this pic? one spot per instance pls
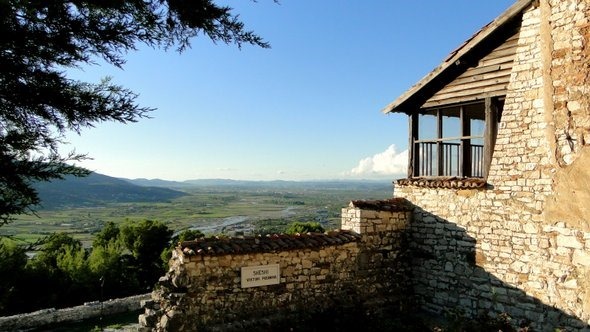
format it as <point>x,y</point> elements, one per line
<point>212,206</point>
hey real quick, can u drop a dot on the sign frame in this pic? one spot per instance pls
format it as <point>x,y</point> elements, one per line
<point>260,275</point>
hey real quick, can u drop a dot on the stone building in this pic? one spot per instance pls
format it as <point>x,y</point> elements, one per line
<point>499,169</point>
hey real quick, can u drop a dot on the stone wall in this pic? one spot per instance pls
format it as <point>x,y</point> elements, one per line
<point>383,259</point>
<point>569,70</point>
<point>52,317</point>
<point>360,266</point>
<point>521,244</point>
<point>462,261</point>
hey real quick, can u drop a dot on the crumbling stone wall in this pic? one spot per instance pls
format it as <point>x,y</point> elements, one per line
<point>521,244</point>
<point>48,318</point>
<point>569,71</point>
<point>570,75</point>
<point>360,266</point>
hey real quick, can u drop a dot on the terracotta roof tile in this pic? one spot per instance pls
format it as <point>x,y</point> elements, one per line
<point>447,182</point>
<point>396,204</point>
<point>270,243</point>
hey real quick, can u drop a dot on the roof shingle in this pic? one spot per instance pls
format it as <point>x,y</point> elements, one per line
<point>396,204</point>
<point>270,243</point>
<point>448,183</point>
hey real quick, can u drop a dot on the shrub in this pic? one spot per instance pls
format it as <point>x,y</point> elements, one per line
<point>304,227</point>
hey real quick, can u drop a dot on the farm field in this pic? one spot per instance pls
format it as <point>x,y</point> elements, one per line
<point>213,210</point>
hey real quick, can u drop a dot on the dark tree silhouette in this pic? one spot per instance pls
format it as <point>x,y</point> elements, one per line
<point>39,40</point>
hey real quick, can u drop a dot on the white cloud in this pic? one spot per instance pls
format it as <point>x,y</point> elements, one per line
<point>388,162</point>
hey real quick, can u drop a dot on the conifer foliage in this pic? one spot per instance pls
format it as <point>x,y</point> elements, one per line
<point>39,104</point>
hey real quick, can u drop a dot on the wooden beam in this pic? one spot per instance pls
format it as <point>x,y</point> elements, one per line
<point>466,98</point>
<point>475,86</point>
<point>488,76</point>
<point>413,160</point>
<point>439,145</point>
<point>465,149</point>
<point>444,139</point>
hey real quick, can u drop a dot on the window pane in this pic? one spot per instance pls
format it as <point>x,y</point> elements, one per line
<point>475,113</point>
<point>477,141</point>
<point>451,122</point>
<point>477,127</point>
<point>427,126</point>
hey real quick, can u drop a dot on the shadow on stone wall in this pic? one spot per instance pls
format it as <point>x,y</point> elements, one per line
<point>448,279</point>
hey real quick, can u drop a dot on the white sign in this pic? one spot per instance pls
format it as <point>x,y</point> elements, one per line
<point>254,276</point>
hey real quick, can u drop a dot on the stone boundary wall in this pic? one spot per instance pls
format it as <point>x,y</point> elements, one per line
<point>360,266</point>
<point>47,317</point>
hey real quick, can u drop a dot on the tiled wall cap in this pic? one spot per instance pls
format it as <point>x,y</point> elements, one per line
<point>447,182</point>
<point>270,243</point>
<point>391,205</point>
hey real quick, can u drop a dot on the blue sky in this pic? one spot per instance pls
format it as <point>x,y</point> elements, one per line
<point>308,108</point>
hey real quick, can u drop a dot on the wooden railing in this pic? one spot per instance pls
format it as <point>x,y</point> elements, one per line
<point>440,158</point>
<point>476,161</point>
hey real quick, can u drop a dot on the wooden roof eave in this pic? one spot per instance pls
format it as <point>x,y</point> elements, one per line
<point>457,62</point>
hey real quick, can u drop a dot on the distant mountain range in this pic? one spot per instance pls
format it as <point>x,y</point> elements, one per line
<point>98,189</point>
<point>318,184</point>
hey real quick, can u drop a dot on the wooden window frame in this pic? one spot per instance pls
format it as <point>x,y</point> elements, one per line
<point>492,113</point>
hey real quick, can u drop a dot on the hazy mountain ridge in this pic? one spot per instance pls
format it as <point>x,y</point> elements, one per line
<point>312,184</point>
<point>98,189</point>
